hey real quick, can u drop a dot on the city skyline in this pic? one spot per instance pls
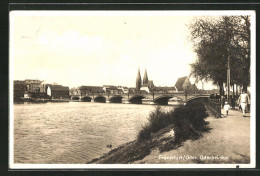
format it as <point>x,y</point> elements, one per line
<point>105,49</point>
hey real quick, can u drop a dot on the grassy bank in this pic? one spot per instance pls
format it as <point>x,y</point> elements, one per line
<point>164,130</point>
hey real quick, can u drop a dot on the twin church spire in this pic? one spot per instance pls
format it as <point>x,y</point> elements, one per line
<point>145,79</point>
<point>139,79</point>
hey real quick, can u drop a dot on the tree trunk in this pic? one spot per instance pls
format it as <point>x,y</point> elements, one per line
<point>220,89</point>
<point>236,90</point>
<point>245,87</point>
<point>220,93</point>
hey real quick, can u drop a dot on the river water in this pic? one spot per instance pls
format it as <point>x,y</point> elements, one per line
<point>74,132</point>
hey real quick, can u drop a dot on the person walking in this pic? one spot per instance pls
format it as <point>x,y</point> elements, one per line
<point>243,101</point>
<point>226,108</point>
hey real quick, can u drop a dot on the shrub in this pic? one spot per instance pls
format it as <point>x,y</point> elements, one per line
<point>188,121</point>
<point>144,133</point>
<point>157,120</point>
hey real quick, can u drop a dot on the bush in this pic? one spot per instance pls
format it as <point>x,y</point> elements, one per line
<point>157,120</point>
<point>145,133</point>
<point>188,121</point>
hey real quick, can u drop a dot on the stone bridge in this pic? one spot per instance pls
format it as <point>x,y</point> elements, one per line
<point>153,98</point>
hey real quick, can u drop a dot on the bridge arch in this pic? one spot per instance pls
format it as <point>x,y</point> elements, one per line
<point>100,99</point>
<point>136,99</point>
<point>115,99</point>
<point>162,100</point>
<point>86,99</point>
<point>75,98</point>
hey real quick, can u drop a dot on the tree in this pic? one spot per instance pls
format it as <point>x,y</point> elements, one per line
<point>216,39</point>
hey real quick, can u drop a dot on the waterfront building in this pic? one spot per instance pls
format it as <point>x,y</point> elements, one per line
<point>86,90</point>
<point>27,95</point>
<point>164,89</point>
<point>113,89</point>
<point>33,85</point>
<point>58,92</point>
<point>19,89</point>
<point>75,91</point>
<point>122,89</point>
<point>109,88</point>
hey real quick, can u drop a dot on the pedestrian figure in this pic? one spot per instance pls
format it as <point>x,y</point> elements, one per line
<point>226,108</point>
<point>243,101</point>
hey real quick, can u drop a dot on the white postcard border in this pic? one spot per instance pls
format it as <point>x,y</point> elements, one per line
<point>252,164</point>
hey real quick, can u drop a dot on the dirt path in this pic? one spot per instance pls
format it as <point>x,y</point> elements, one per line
<point>227,142</point>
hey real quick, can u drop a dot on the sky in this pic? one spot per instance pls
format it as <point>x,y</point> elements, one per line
<point>100,48</point>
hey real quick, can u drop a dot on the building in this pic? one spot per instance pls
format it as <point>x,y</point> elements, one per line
<point>147,84</point>
<point>58,92</point>
<point>19,89</point>
<point>75,91</point>
<point>132,90</point>
<point>86,90</point>
<point>144,86</point>
<point>35,86</point>
<point>125,90</point>
<point>182,84</point>
<point>193,89</point>
<point>144,90</point>
<point>113,89</point>
<point>164,90</point>
<point>46,87</point>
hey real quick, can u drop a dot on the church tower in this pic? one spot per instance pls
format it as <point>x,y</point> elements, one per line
<point>138,80</point>
<point>145,79</point>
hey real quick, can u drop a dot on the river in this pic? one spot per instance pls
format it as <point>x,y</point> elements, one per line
<point>73,132</point>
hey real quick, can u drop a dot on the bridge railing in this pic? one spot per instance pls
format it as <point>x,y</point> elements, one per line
<point>214,105</point>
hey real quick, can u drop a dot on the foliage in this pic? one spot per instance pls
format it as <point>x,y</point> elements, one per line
<point>214,40</point>
<point>158,119</point>
<point>186,120</point>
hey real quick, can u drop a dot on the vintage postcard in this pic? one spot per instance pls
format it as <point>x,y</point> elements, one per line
<point>132,89</point>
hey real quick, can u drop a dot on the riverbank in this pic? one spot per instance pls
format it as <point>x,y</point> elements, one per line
<point>227,140</point>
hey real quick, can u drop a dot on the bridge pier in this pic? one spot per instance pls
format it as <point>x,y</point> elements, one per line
<point>107,101</point>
